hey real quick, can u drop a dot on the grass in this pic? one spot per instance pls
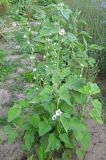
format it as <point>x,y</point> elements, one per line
<point>7,68</point>
<point>94,16</point>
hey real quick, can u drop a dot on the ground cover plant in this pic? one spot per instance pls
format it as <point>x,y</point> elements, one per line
<point>52,119</point>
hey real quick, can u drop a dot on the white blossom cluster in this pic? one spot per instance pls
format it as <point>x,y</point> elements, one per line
<point>57,114</point>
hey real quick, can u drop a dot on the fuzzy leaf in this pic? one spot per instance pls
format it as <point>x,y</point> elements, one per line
<point>34,120</point>
<point>64,94</point>
<point>65,121</point>
<point>95,113</point>
<point>74,83</point>
<point>64,138</point>
<point>13,113</point>
<point>29,139</point>
<point>90,88</point>
<point>53,144</point>
<point>44,128</point>
<point>66,13</point>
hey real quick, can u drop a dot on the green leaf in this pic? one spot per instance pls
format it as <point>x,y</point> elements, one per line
<point>53,143</point>
<point>91,61</point>
<point>76,125</point>
<point>66,13</point>
<point>71,37</point>
<point>67,108</point>
<point>96,47</point>
<point>13,113</point>
<point>64,138</point>
<point>64,94</point>
<point>56,78</point>
<point>85,34</point>
<point>34,120</point>
<point>12,134</point>
<point>83,138</point>
<point>90,88</point>
<point>65,121</point>
<point>29,139</point>
<point>95,112</point>
<point>41,153</point>
<point>80,98</point>
<point>50,107</point>
<point>44,128</point>
<point>23,103</point>
<point>74,83</point>
<point>66,155</point>
<point>65,72</point>
<point>80,153</point>
<point>47,90</point>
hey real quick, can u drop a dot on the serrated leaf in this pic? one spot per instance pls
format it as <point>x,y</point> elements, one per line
<point>76,124</point>
<point>90,88</point>
<point>13,113</point>
<point>44,128</point>
<point>83,138</point>
<point>64,138</point>
<point>66,13</point>
<point>34,120</point>
<point>29,139</point>
<point>12,134</point>
<point>80,153</point>
<point>50,107</point>
<point>65,122</point>
<point>41,153</point>
<point>65,72</point>
<point>80,98</point>
<point>56,78</point>
<point>67,108</point>
<point>53,143</point>
<point>71,37</point>
<point>64,94</point>
<point>74,83</point>
<point>95,112</point>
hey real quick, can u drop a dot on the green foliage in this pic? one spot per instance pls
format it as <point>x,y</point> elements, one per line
<point>53,115</point>
<point>5,69</point>
<point>93,15</point>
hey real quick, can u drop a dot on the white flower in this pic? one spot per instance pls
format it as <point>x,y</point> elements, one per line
<point>25,36</point>
<point>29,29</point>
<point>34,69</point>
<point>37,88</point>
<point>62,32</point>
<point>46,66</point>
<point>81,65</point>
<point>32,57</point>
<point>80,75</point>
<point>58,112</point>
<point>44,57</point>
<point>28,42</point>
<point>48,40</point>
<point>54,117</point>
<point>34,77</point>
